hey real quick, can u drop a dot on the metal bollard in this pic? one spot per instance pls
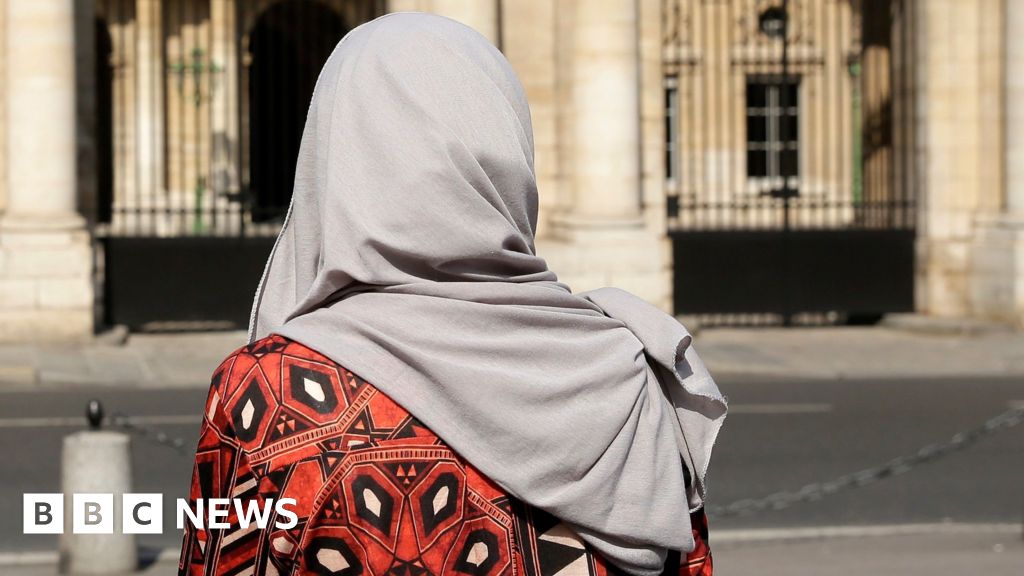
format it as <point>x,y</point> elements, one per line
<point>96,461</point>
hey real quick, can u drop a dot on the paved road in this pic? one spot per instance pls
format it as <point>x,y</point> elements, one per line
<point>991,554</point>
<point>862,424</point>
<point>781,435</point>
<point>32,425</point>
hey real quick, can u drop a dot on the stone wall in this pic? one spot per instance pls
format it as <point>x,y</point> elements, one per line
<point>46,255</point>
<point>967,250</point>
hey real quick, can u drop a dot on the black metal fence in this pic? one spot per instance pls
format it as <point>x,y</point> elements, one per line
<point>187,215</point>
<point>788,137</point>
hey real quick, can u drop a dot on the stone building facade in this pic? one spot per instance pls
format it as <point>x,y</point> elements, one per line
<point>149,117</point>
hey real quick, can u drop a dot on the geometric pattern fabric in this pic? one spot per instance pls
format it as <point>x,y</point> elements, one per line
<point>376,492</point>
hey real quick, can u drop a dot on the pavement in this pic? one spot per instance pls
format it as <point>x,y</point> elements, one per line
<point>907,348</point>
<point>157,360</point>
<point>970,550</point>
<point>858,352</point>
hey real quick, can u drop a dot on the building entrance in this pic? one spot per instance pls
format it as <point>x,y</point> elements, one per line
<point>189,252</point>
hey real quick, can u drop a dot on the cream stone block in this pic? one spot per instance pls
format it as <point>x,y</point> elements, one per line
<point>943,104</point>
<point>947,130</point>
<point>946,295</point>
<point>954,255</point>
<point>941,286</point>
<point>75,260</point>
<point>655,287</point>
<point>50,238</point>
<point>65,293</point>
<point>946,223</point>
<point>632,259</point>
<point>17,293</point>
<point>997,270</point>
<point>621,259</point>
<point>992,275</point>
<point>35,325</point>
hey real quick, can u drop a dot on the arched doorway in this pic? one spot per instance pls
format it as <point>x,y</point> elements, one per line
<point>288,46</point>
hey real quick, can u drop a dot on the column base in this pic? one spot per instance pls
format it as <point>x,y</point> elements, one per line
<point>996,280</point>
<point>941,278</point>
<point>28,223</point>
<point>46,281</point>
<point>624,254</point>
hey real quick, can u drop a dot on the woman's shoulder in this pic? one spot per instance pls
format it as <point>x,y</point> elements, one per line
<point>262,361</point>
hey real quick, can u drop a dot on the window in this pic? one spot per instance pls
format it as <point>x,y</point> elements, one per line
<point>671,129</point>
<point>773,128</point>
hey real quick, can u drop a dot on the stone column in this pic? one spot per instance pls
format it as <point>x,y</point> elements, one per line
<point>45,256</point>
<point>601,237</point>
<point>1013,218</point>
<point>224,104</point>
<point>481,15</point>
<point>957,52</point>
<point>149,90</point>
<point>3,107</point>
<point>606,110</point>
<point>41,110</point>
<point>530,42</point>
<point>1014,98</point>
<point>996,252</point>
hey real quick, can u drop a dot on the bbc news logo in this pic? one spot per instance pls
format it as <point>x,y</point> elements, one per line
<point>143,513</point>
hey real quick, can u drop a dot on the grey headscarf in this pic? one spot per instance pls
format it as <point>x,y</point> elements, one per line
<point>408,257</point>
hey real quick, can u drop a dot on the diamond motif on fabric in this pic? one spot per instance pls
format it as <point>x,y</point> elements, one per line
<point>313,388</point>
<point>373,503</point>
<point>249,412</point>
<point>442,492</point>
<point>479,553</point>
<point>329,556</point>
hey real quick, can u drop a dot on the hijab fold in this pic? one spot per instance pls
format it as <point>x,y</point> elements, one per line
<point>408,257</point>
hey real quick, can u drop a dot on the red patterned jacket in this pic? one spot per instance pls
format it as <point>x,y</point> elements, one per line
<point>375,491</point>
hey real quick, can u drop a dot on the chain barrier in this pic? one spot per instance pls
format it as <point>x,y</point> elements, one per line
<point>776,501</point>
<point>896,466</point>
<point>148,433</point>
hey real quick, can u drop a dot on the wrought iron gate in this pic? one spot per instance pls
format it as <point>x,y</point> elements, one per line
<point>787,151</point>
<point>201,163</point>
